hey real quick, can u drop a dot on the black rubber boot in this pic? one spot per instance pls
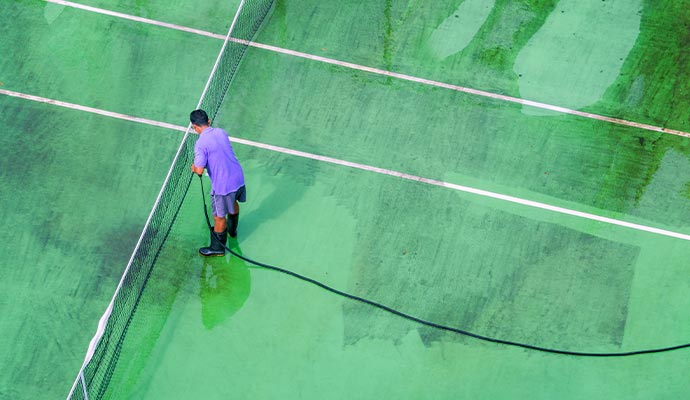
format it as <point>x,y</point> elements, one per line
<point>234,220</point>
<point>216,248</point>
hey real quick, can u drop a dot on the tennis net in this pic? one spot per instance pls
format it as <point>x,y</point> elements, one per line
<point>104,349</point>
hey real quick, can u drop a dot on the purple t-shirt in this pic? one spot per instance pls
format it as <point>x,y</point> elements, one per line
<point>214,152</point>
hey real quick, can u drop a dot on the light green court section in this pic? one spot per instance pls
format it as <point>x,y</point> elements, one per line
<point>578,52</point>
<point>458,30</point>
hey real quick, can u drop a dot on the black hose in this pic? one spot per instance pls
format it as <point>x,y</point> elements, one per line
<point>427,323</point>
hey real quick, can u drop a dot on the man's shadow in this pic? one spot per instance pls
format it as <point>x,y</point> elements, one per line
<point>271,208</point>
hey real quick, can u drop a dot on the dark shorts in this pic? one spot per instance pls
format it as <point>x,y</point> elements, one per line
<point>225,204</point>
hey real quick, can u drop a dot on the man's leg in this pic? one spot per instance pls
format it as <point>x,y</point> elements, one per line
<point>218,239</point>
<point>219,236</point>
<point>234,219</point>
<point>219,224</point>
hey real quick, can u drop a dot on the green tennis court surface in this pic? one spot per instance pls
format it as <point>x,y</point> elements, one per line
<point>78,187</point>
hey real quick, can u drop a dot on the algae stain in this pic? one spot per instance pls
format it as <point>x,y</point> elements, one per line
<point>143,7</point>
<point>506,31</point>
<point>279,14</point>
<point>686,190</point>
<point>458,30</point>
<point>388,37</point>
<point>578,53</point>
<point>494,56</point>
<point>636,93</point>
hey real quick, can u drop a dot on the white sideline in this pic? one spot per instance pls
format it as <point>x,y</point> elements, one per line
<point>396,75</point>
<point>369,168</point>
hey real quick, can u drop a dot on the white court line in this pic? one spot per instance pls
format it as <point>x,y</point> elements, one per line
<point>91,110</point>
<point>401,175</point>
<point>363,68</point>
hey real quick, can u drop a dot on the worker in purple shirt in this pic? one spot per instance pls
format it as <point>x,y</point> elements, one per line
<point>214,153</point>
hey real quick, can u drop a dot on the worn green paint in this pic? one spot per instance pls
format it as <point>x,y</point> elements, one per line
<point>496,268</point>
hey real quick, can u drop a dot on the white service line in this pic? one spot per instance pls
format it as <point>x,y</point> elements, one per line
<point>92,110</point>
<point>369,168</point>
<point>396,75</point>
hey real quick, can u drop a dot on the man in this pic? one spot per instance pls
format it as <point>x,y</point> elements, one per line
<point>214,153</point>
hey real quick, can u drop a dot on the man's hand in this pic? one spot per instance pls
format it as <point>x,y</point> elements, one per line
<point>197,170</point>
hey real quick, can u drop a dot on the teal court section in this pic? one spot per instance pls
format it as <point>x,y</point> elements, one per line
<point>221,328</point>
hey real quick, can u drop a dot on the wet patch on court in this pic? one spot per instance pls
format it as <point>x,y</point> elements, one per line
<point>496,274</point>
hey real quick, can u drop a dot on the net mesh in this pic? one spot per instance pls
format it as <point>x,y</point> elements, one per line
<point>94,377</point>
